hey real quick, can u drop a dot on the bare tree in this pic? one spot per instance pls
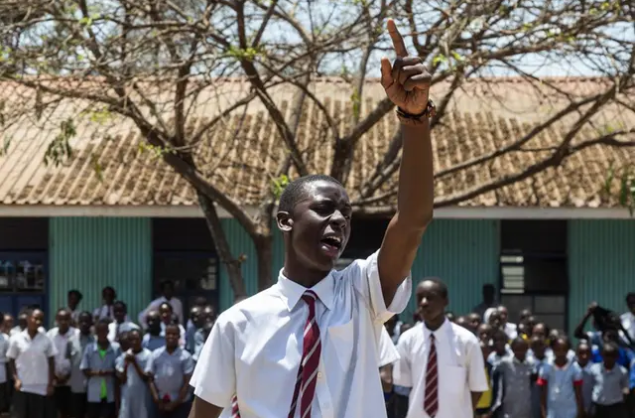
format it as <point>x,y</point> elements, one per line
<point>153,63</point>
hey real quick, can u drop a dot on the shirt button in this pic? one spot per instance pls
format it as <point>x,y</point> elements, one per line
<point>320,375</point>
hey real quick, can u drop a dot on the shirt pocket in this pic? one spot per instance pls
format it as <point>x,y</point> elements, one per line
<point>341,341</point>
<point>452,383</point>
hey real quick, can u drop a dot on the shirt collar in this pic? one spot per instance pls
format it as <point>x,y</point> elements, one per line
<point>438,334</point>
<point>291,292</point>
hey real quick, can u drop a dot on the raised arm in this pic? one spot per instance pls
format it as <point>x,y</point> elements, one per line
<point>407,84</point>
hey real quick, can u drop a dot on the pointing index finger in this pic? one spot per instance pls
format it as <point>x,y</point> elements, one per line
<point>397,39</point>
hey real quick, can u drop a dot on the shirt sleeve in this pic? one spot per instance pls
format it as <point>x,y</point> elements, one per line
<point>577,374</point>
<point>624,381</point>
<point>364,274</point>
<point>498,387</point>
<point>402,372</point>
<point>50,350</point>
<point>13,351</point>
<point>387,351</point>
<point>187,364</point>
<point>477,381</point>
<point>119,363</point>
<point>214,378</point>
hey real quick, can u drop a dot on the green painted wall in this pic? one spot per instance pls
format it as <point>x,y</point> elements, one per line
<point>601,265</point>
<point>464,253</point>
<point>90,253</point>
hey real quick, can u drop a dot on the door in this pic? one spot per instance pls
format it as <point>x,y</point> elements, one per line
<point>194,274</point>
<point>23,281</point>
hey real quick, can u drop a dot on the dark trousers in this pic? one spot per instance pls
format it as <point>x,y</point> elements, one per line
<point>181,411</point>
<point>617,410</point>
<point>103,409</point>
<point>63,400</point>
<point>30,405</point>
<point>78,405</point>
<point>5,402</point>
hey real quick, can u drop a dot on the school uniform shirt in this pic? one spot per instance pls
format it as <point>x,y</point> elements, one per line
<point>511,330</point>
<point>259,341</point>
<point>152,342</point>
<point>624,356</point>
<point>168,371</point>
<point>588,381</point>
<point>16,330</point>
<point>62,343</point>
<point>514,383</point>
<point>608,385</point>
<point>135,394</point>
<point>177,309</point>
<point>114,329</point>
<point>31,356</point>
<point>79,342</point>
<point>74,314</point>
<point>495,359</point>
<point>550,356</point>
<point>560,382</point>
<point>460,364</point>
<point>387,351</point>
<point>4,347</point>
<point>92,360</point>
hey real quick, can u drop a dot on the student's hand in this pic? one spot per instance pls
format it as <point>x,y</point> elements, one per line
<point>170,406</point>
<point>17,385</point>
<point>406,80</point>
<point>130,358</point>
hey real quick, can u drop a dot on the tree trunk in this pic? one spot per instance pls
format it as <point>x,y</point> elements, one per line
<point>222,246</point>
<point>264,254</point>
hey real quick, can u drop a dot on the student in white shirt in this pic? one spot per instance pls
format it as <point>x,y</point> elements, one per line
<point>167,295</point>
<point>331,318</point>
<point>106,310</point>
<point>73,299</point>
<point>454,382</point>
<point>121,322</point>
<point>510,329</point>
<point>31,356</point>
<point>62,337</point>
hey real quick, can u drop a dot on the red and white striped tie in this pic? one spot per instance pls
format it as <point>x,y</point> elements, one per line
<point>235,411</point>
<point>307,374</point>
<point>431,401</point>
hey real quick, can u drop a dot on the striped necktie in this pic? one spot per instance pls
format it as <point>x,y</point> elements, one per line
<point>307,373</point>
<point>431,401</point>
<point>235,411</point>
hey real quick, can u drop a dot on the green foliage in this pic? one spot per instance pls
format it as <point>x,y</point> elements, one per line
<point>248,54</point>
<point>60,148</point>
<point>626,181</point>
<point>278,185</point>
<point>357,103</point>
<point>155,151</point>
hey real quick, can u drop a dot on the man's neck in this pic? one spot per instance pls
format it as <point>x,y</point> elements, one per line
<point>303,276</point>
<point>170,349</point>
<point>103,344</point>
<point>32,333</point>
<point>63,332</point>
<point>435,324</point>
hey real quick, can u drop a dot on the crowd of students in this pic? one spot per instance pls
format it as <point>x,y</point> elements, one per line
<point>100,364</point>
<point>536,372</point>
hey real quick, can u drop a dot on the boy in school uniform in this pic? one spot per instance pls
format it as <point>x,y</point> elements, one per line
<point>514,382</point>
<point>583,357</point>
<point>610,384</point>
<point>62,336</point>
<point>317,329</point>
<point>121,323</point>
<point>153,339</point>
<point>79,342</point>
<point>442,362</point>
<point>98,365</point>
<point>193,325</point>
<point>501,348</point>
<point>169,370</point>
<point>31,356</point>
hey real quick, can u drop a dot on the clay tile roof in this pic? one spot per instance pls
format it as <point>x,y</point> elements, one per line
<point>109,166</point>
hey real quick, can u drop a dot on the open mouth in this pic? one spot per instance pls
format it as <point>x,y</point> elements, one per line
<point>331,245</point>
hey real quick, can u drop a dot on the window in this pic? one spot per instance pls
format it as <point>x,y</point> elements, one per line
<point>533,269</point>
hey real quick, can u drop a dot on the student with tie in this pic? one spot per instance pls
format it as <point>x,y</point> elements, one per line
<point>308,346</point>
<point>442,362</point>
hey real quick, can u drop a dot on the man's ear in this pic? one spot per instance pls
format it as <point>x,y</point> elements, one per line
<point>285,223</point>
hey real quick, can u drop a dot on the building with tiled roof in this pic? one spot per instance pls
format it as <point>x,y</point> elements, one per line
<point>113,214</point>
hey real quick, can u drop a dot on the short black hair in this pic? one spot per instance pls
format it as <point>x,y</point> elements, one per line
<point>111,289</point>
<point>175,325</point>
<point>611,346</point>
<point>134,331</point>
<point>120,303</point>
<point>62,309</point>
<point>443,288</point>
<point>76,293</point>
<point>103,321</point>
<point>564,339</point>
<point>500,334</point>
<point>630,295</point>
<point>85,313</point>
<point>294,191</point>
<point>518,340</point>
<point>168,304</point>
<point>489,286</point>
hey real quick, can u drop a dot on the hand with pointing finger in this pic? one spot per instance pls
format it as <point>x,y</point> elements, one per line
<point>406,80</point>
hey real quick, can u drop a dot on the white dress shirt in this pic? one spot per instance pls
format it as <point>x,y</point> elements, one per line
<point>628,322</point>
<point>62,343</point>
<point>107,312</point>
<point>31,358</point>
<point>460,369</point>
<point>259,341</point>
<point>4,347</point>
<point>387,351</point>
<point>114,329</point>
<point>177,309</point>
<point>511,330</point>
